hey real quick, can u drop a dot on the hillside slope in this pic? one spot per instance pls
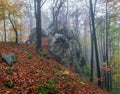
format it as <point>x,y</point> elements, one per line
<point>30,72</point>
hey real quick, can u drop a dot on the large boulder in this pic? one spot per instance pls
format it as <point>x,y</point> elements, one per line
<point>9,58</point>
<point>66,51</point>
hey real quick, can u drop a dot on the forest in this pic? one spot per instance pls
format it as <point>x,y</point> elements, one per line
<point>59,47</point>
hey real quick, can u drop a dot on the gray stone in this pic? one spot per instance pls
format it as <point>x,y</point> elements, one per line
<point>66,51</point>
<point>9,58</point>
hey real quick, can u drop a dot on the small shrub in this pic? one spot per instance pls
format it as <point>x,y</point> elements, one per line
<point>92,92</point>
<point>37,61</point>
<point>51,85</point>
<point>47,56</point>
<point>10,84</point>
<point>47,68</point>
<point>79,80</point>
<point>40,72</point>
<point>58,73</point>
<point>41,90</point>
<point>82,83</point>
<point>66,72</point>
<point>67,79</point>
<point>43,54</point>
<point>58,68</point>
<point>24,49</point>
<point>8,71</point>
<point>29,56</point>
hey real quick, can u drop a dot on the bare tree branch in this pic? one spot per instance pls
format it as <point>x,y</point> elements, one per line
<point>43,3</point>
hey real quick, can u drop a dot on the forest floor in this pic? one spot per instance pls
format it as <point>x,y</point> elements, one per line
<point>30,75</point>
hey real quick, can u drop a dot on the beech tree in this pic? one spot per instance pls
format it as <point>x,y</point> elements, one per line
<point>95,42</point>
<point>37,5</point>
<point>38,24</point>
<point>12,12</point>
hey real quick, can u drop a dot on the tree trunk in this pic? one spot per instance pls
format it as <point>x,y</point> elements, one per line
<point>16,34</point>
<point>92,62</point>
<point>4,30</point>
<point>108,77</point>
<point>15,30</point>
<point>95,43</point>
<point>92,50</point>
<point>38,26</point>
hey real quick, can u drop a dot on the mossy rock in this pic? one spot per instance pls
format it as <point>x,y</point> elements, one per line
<point>10,58</point>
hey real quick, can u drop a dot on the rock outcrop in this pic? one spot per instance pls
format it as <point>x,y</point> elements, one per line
<point>66,51</point>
